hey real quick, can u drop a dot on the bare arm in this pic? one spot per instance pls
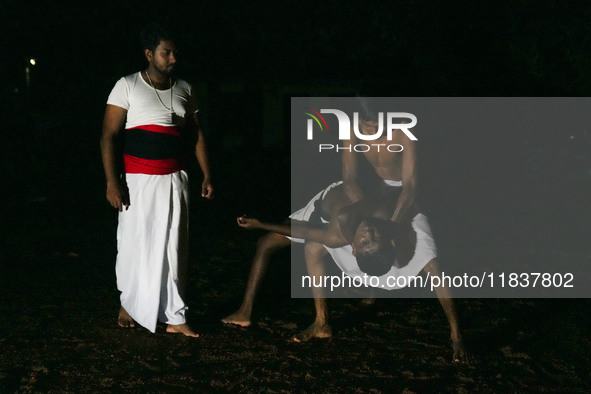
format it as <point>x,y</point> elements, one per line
<point>350,171</point>
<point>330,236</point>
<point>201,155</point>
<point>405,207</point>
<point>113,123</point>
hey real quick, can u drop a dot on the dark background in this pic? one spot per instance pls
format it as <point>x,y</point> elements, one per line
<point>525,203</point>
<point>248,59</point>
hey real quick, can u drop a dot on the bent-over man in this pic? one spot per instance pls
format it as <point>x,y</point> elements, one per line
<point>397,172</point>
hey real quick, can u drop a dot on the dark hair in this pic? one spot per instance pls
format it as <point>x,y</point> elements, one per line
<point>152,34</point>
<point>377,262</point>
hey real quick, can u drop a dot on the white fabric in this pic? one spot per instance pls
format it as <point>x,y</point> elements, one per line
<point>304,213</point>
<point>143,106</point>
<point>425,249</point>
<point>152,239</point>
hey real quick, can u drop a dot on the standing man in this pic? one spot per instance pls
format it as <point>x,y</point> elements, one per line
<point>158,115</point>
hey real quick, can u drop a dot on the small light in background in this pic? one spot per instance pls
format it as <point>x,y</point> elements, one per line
<point>32,62</point>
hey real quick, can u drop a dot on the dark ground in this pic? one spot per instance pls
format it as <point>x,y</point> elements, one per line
<point>59,303</point>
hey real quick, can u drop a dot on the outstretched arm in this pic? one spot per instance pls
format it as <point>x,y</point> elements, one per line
<point>330,236</point>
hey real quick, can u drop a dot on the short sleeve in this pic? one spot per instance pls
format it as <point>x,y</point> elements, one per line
<point>120,94</point>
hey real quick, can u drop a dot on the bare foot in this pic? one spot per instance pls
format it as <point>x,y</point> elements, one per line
<point>124,320</point>
<point>460,355</point>
<point>181,329</point>
<point>237,319</point>
<point>314,331</point>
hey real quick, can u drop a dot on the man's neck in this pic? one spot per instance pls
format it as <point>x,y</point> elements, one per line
<point>158,79</point>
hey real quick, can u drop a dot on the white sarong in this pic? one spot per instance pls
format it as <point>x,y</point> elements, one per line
<point>152,248</point>
<point>425,249</point>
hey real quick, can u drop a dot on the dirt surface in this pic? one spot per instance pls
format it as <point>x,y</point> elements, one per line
<point>58,330</point>
<point>59,303</point>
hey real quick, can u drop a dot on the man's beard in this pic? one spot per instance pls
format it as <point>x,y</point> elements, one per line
<point>165,72</point>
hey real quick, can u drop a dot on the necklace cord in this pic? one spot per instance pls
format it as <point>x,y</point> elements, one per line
<point>171,109</point>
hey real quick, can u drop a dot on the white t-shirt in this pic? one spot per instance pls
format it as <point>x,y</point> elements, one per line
<point>143,104</point>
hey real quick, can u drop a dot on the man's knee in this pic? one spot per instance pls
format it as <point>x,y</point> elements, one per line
<point>271,241</point>
<point>315,250</point>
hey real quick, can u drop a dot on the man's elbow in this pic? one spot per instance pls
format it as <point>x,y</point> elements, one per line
<point>104,141</point>
<point>334,242</point>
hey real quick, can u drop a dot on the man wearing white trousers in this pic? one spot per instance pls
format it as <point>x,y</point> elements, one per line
<point>156,114</point>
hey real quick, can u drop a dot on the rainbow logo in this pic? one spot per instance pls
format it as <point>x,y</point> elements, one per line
<point>317,117</point>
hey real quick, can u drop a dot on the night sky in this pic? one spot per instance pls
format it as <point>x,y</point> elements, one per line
<point>419,47</point>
